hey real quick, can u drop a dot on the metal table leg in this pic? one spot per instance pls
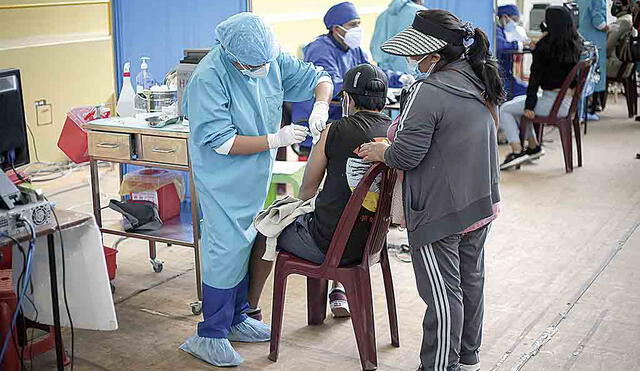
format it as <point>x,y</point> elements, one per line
<point>55,303</point>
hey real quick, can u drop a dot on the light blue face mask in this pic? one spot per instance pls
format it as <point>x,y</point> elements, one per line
<point>414,68</point>
<point>510,26</point>
<point>258,73</point>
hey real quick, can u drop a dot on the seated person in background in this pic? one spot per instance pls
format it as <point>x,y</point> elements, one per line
<point>506,44</point>
<point>621,9</point>
<point>554,57</point>
<point>364,92</point>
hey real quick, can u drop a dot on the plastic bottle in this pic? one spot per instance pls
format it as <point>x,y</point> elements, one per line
<point>144,80</point>
<point>126,105</point>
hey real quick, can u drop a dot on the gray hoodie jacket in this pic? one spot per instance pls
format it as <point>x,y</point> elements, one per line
<point>446,144</point>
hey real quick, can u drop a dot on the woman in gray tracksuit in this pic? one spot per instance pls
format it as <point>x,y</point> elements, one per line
<point>446,144</point>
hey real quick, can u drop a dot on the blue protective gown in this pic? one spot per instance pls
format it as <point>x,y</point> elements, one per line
<point>335,59</point>
<point>398,16</point>
<point>513,86</point>
<point>592,14</point>
<point>220,102</point>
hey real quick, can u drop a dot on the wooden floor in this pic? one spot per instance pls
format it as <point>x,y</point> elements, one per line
<point>562,288</point>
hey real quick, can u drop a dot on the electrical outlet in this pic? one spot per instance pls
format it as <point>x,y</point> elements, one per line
<point>44,112</point>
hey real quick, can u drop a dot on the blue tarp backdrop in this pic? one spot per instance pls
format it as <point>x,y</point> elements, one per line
<point>479,12</point>
<point>162,29</point>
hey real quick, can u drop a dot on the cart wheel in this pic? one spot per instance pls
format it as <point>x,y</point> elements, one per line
<point>113,288</point>
<point>196,308</point>
<point>157,265</point>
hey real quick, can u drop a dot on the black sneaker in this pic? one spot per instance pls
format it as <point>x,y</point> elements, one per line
<point>514,159</point>
<point>534,153</point>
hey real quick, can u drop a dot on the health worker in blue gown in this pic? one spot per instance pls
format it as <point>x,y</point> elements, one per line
<point>508,18</point>
<point>337,52</point>
<point>234,106</point>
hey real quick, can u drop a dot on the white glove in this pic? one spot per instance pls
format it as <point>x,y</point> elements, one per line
<point>288,135</point>
<point>318,119</point>
<point>407,80</point>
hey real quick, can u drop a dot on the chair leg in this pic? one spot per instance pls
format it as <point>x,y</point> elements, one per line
<point>627,95</point>
<point>576,129</point>
<point>316,300</point>
<point>361,305</point>
<point>567,148</point>
<point>391,297</point>
<point>539,132</point>
<point>277,312</point>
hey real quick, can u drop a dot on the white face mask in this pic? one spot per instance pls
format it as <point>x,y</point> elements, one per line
<point>257,74</point>
<point>510,26</point>
<point>352,37</point>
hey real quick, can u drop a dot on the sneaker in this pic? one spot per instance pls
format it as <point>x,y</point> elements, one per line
<point>338,303</point>
<point>514,159</point>
<point>535,153</point>
<point>255,313</point>
<point>475,367</point>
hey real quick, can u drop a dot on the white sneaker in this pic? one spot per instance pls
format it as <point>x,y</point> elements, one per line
<point>475,367</point>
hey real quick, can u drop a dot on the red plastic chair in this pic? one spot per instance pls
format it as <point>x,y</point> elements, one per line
<point>579,74</point>
<point>355,278</point>
<point>17,342</point>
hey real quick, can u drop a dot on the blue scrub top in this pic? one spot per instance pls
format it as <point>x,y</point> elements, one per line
<point>336,60</point>
<point>221,102</point>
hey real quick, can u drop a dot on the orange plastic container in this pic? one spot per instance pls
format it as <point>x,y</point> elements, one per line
<point>110,257</point>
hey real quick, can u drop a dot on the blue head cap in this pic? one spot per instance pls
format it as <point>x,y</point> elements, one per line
<point>510,10</point>
<point>340,14</point>
<point>248,38</point>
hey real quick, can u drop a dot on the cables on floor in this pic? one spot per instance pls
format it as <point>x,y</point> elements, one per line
<point>64,286</point>
<point>22,290</point>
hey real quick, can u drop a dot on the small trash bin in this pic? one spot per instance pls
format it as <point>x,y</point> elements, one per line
<point>110,257</point>
<point>164,188</point>
<point>73,138</point>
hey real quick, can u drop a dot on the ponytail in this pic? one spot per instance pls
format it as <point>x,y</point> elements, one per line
<point>475,49</point>
<point>486,67</point>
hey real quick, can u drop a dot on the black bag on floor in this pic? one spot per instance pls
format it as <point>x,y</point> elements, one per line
<point>139,215</point>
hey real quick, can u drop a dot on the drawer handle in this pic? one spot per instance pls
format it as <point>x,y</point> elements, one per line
<point>109,145</point>
<point>161,150</point>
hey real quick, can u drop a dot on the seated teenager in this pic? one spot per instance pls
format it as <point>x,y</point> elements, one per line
<point>308,237</point>
<point>554,57</point>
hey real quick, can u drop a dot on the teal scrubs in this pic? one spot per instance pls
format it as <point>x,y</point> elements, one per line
<point>593,13</point>
<point>221,102</point>
<point>398,16</point>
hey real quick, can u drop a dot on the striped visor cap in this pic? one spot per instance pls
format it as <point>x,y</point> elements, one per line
<point>421,38</point>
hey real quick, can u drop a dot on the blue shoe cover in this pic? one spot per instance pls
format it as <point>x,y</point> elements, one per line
<point>216,351</point>
<point>250,331</point>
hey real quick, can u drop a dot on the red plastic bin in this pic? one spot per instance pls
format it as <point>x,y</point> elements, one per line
<point>110,258</point>
<point>73,138</point>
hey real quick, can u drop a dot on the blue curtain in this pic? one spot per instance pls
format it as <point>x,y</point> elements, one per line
<point>162,29</point>
<point>479,12</point>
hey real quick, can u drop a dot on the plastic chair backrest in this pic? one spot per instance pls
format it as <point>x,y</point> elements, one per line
<point>579,73</point>
<point>379,226</point>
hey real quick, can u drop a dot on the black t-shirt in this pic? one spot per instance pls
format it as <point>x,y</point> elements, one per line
<point>344,171</point>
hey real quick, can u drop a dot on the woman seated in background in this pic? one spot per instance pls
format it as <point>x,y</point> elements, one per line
<point>617,69</point>
<point>364,93</point>
<point>554,57</point>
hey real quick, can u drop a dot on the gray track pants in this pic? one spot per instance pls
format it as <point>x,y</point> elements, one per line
<point>450,279</point>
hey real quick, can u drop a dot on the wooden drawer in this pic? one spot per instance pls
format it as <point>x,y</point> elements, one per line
<point>110,145</point>
<point>164,150</point>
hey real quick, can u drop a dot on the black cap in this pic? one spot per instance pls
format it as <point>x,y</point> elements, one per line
<point>355,81</point>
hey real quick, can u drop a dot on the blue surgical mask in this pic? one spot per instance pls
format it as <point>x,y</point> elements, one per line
<point>414,68</point>
<point>510,26</point>
<point>258,73</point>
